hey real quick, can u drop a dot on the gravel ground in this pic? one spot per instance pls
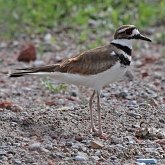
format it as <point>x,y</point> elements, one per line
<point>40,127</point>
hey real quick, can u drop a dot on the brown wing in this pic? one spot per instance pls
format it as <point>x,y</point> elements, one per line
<point>90,62</point>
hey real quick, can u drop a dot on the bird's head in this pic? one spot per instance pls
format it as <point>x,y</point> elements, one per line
<point>129,32</point>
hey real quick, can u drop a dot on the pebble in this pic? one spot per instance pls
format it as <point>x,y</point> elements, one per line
<point>81,156</point>
<point>48,38</point>
<point>69,144</point>
<point>45,150</point>
<point>132,105</point>
<point>58,154</point>
<point>2,153</point>
<point>35,146</point>
<point>96,144</point>
<point>17,161</point>
<point>98,153</point>
<point>140,163</point>
<point>123,94</point>
<point>115,140</point>
<point>147,161</point>
<point>79,138</point>
<point>135,115</point>
<point>151,150</point>
<point>38,63</point>
<point>74,93</point>
<point>96,158</point>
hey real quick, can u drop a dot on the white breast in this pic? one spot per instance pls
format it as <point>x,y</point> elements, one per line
<point>96,81</point>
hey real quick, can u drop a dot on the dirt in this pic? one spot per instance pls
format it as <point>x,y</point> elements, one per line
<point>40,127</point>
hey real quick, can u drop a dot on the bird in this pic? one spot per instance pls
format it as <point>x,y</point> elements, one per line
<point>94,68</point>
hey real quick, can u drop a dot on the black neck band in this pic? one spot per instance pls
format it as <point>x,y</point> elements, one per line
<point>126,49</point>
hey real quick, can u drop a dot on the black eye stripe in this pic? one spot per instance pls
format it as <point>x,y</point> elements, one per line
<point>129,31</point>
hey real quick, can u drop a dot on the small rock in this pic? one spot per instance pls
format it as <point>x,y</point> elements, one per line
<point>44,150</point>
<point>35,146</point>
<point>48,38</point>
<point>142,132</point>
<point>113,158</point>
<point>3,45</point>
<point>2,153</point>
<point>96,144</point>
<point>5,104</point>
<point>135,115</point>
<point>65,150</point>
<point>58,154</point>
<point>115,140</point>
<point>17,161</point>
<point>132,105</point>
<point>28,53</point>
<point>151,150</point>
<point>16,108</point>
<point>98,153</point>
<point>95,158</point>
<point>153,102</point>
<point>38,63</point>
<point>78,138</point>
<point>123,94</point>
<point>13,124</point>
<point>84,149</point>
<point>145,74</point>
<point>140,163</point>
<point>69,144</point>
<point>147,161</point>
<point>50,103</point>
<point>157,75</point>
<point>73,93</point>
<point>81,156</point>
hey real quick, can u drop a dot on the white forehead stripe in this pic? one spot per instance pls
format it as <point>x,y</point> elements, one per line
<point>135,32</point>
<point>122,30</point>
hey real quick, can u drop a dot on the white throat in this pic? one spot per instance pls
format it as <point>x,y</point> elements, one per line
<point>123,42</point>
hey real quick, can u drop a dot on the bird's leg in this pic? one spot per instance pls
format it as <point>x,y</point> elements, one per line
<point>92,126</point>
<point>101,134</point>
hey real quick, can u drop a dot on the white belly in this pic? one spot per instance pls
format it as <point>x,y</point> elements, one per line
<point>96,81</point>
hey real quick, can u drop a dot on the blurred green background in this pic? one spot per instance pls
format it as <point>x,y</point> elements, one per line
<point>39,16</point>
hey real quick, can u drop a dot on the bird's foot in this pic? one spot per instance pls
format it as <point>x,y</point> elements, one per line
<point>103,136</point>
<point>93,129</point>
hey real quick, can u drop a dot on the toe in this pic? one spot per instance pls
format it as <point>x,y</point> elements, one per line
<point>104,136</point>
<point>93,129</point>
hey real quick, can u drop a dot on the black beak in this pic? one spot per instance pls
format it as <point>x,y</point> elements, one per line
<point>141,37</point>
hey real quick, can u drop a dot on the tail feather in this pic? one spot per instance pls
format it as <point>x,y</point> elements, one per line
<point>33,70</point>
<point>18,74</point>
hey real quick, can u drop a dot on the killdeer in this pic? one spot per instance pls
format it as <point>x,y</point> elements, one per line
<point>94,68</point>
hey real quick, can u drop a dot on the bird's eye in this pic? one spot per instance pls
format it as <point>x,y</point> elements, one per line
<point>128,31</point>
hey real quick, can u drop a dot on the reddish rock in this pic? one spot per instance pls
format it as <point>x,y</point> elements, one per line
<point>145,74</point>
<point>150,58</point>
<point>50,103</point>
<point>28,53</point>
<point>5,104</point>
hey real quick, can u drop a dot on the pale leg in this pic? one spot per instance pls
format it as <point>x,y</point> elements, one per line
<point>101,134</point>
<point>92,126</point>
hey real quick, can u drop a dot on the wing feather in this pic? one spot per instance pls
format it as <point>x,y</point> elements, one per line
<point>90,62</point>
